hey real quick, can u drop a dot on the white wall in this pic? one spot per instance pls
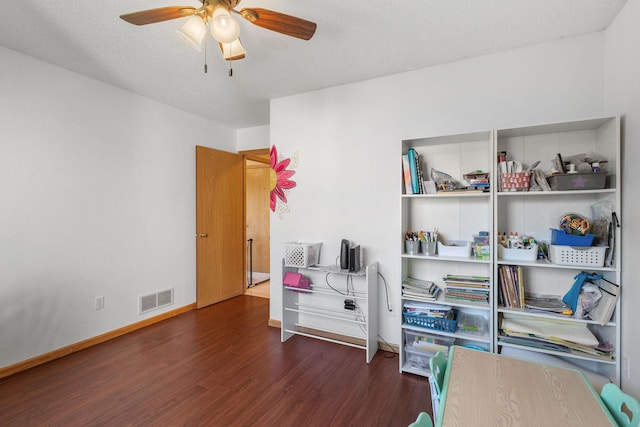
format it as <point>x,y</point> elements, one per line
<point>252,138</point>
<point>622,89</point>
<point>97,198</point>
<point>348,140</point>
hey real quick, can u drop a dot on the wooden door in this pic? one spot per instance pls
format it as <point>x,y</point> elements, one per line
<point>219,226</point>
<point>257,213</point>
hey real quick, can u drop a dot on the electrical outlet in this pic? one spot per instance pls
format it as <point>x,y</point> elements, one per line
<point>99,303</point>
<point>625,366</point>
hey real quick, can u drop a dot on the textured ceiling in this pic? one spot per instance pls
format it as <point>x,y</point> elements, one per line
<point>355,40</point>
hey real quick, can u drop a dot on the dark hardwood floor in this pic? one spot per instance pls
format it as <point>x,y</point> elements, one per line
<point>218,366</point>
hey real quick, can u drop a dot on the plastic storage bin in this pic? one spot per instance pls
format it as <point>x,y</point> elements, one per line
<point>592,256</point>
<point>296,280</point>
<point>428,343</point>
<point>481,247</point>
<point>510,254</point>
<point>559,237</point>
<point>454,248</point>
<point>474,324</point>
<point>418,359</point>
<point>437,323</point>
<point>578,181</point>
<point>302,255</point>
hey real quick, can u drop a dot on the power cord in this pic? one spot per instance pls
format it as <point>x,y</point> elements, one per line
<point>386,288</point>
<point>326,279</point>
<point>389,354</point>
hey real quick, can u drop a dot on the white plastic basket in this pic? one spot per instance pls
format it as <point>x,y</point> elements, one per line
<point>512,254</point>
<point>591,256</point>
<point>454,248</point>
<point>301,255</point>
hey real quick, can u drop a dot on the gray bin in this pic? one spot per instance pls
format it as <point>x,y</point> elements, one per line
<point>578,181</point>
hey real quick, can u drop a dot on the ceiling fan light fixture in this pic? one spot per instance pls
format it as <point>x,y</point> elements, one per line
<point>193,32</point>
<point>232,51</point>
<point>224,28</point>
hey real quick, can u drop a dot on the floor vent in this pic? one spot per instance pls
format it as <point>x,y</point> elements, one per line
<point>156,300</point>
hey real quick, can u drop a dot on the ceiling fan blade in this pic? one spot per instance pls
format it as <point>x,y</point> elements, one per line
<point>158,15</point>
<point>279,22</point>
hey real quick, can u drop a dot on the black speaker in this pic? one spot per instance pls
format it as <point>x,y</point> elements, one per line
<point>344,254</point>
<point>354,258</point>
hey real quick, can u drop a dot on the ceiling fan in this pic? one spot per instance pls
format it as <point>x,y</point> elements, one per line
<point>217,14</point>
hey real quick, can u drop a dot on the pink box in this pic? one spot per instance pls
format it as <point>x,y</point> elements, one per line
<point>296,280</point>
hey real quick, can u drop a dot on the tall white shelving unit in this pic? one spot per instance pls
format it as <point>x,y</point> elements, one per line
<point>458,216</point>
<point>534,213</point>
<point>319,312</point>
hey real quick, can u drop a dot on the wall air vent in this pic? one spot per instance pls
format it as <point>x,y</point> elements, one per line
<point>155,300</point>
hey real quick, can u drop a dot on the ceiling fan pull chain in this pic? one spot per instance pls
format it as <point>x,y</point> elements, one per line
<point>205,56</point>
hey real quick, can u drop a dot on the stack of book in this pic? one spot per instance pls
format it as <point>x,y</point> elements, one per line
<point>429,310</point>
<point>419,289</point>
<point>556,335</point>
<point>466,288</point>
<point>511,291</point>
<point>477,180</point>
<point>412,172</point>
<point>547,304</point>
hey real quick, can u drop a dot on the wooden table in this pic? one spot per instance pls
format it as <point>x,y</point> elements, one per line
<point>486,389</point>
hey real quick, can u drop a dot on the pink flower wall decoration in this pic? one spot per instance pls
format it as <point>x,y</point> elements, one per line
<point>279,178</point>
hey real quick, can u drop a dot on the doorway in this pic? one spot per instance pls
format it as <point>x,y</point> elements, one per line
<point>257,228</point>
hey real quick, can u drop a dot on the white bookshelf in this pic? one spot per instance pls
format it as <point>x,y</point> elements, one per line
<point>458,216</point>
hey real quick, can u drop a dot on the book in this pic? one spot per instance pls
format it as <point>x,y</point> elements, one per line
<point>423,289</point>
<point>418,282</point>
<point>413,167</point>
<point>418,288</point>
<point>467,297</point>
<point>520,279</point>
<point>421,296</point>
<point>511,286</point>
<point>469,279</point>
<point>419,170</point>
<point>462,285</point>
<point>406,174</point>
<point>427,309</point>
<point>546,303</point>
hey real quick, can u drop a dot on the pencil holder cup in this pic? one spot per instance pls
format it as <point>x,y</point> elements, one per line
<point>429,248</point>
<point>412,247</point>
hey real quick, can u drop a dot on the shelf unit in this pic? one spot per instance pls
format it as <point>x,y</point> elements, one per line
<point>457,216</point>
<point>534,213</point>
<point>319,312</point>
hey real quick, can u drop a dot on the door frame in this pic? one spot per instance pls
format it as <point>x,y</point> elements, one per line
<point>260,155</point>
